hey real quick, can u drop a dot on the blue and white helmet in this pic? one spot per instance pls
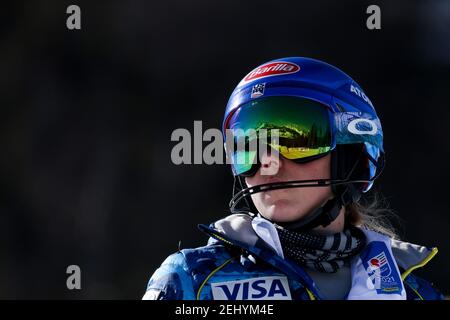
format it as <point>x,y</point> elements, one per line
<point>354,119</point>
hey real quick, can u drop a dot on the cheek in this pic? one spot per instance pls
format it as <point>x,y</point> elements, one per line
<point>315,195</point>
<point>318,169</point>
<point>253,181</point>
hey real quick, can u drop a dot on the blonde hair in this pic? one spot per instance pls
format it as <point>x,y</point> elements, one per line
<point>373,213</point>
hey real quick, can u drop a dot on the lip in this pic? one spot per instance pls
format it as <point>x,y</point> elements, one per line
<point>272,180</point>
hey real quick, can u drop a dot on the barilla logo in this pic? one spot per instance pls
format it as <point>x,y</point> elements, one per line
<point>271,69</point>
<point>261,288</point>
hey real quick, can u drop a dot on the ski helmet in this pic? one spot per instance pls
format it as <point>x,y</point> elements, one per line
<point>354,135</point>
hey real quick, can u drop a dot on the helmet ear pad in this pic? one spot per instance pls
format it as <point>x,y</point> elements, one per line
<point>346,159</point>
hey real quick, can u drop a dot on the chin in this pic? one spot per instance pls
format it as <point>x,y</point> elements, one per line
<point>281,211</point>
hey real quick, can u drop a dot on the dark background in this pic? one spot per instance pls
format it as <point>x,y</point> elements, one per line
<point>86,176</point>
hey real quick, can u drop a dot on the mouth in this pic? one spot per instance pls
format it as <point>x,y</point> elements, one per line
<point>277,194</point>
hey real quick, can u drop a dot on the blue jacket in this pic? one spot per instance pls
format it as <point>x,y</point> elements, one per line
<point>236,255</point>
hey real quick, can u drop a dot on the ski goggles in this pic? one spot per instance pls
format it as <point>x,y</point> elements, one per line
<point>299,129</point>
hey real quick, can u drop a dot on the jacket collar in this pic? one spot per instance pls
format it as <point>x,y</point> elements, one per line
<point>410,257</point>
<point>237,230</point>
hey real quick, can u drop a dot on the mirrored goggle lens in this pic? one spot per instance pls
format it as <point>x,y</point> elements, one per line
<point>297,128</point>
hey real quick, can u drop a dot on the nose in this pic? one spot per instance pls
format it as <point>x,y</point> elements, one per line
<point>271,163</point>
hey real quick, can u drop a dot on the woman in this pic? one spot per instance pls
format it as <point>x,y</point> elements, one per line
<point>303,232</point>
